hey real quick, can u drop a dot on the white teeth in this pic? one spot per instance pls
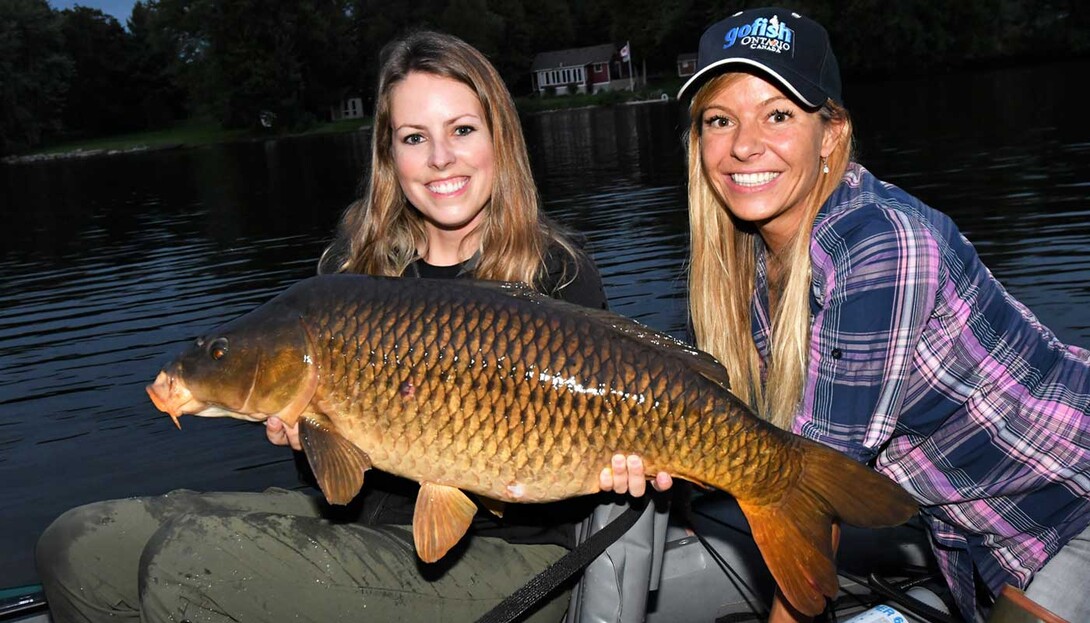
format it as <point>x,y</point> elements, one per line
<point>753,179</point>
<point>448,186</point>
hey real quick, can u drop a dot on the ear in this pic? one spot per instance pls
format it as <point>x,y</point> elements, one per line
<point>832,135</point>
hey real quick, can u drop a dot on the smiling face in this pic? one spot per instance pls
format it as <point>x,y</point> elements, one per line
<point>443,154</point>
<point>762,153</point>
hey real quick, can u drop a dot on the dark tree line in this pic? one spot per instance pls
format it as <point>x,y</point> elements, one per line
<point>79,73</point>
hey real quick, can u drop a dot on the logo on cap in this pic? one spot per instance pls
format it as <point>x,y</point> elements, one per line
<point>763,34</point>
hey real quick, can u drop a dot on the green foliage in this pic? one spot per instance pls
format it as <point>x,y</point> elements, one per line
<point>475,23</point>
<point>34,73</point>
<point>609,98</point>
<point>172,33</point>
<point>158,96</point>
<point>515,52</point>
<point>101,91</point>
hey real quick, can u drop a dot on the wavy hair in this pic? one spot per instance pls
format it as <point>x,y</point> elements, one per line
<point>381,232</point>
<point>722,275</point>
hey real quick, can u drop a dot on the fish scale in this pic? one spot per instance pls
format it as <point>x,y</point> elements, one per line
<point>499,391</point>
<point>543,413</point>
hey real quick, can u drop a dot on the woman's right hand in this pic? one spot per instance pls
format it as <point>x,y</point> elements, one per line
<point>281,434</point>
<point>625,475</point>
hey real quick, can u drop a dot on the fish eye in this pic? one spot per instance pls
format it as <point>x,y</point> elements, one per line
<point>218,348</point>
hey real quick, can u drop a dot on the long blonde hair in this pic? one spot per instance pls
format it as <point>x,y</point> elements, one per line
<point>722,276</point>
<point>381,232</point>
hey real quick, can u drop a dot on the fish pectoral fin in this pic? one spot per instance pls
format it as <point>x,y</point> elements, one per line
<point>494,506</point>
<point>442,516</point>
<point>337,463</point>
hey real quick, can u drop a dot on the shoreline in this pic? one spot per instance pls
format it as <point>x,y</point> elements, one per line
<point>82,152</point>
<point>87,153</point>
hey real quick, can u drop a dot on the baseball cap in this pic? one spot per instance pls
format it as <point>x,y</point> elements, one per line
<point>790,48</point>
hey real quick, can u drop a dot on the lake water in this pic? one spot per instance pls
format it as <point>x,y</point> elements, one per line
<point>109,265</point>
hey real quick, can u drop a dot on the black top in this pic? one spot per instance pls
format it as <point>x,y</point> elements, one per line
<point>389,499</point>
<point>567,279</point>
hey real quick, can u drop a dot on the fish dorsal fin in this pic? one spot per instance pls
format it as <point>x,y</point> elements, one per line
<point>442,516</point>
<point>337,463</point>
<point>701,362</point>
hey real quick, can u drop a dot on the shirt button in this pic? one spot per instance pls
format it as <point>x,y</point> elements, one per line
<point>837,353</point>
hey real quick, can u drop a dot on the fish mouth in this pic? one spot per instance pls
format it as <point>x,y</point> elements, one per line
<point>170,395</point>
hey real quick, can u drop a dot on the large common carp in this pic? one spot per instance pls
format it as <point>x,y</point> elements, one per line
<point>497,390</point>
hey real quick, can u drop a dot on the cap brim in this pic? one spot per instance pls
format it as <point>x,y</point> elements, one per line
<point>697,80</point>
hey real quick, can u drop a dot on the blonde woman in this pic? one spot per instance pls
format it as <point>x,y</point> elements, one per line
<point>450,196</point>
<point>851,313</point>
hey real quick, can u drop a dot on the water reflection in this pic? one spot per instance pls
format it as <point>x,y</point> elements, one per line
<point>110,265</point>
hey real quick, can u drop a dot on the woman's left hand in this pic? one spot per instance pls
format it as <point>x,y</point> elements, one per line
<point>626,475</point>
<point>281,434</point>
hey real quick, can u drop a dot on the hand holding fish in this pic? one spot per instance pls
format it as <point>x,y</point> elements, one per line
<point>281,434</point>
<point>626,475</point>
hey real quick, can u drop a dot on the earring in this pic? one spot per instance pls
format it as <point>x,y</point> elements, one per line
<point>824,165</point>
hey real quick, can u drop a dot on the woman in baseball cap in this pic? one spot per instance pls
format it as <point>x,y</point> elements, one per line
<point>851,313</point>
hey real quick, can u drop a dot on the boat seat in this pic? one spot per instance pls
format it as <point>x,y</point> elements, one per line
<point>1013,606</point>
<point>615,586</point>
<point>668,571</point>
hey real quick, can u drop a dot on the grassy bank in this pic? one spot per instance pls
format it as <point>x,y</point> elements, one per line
<point>195,133</point>
<point>604,98</point>
<point>189,133</point>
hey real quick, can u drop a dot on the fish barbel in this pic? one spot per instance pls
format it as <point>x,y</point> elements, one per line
<point>500,391</point>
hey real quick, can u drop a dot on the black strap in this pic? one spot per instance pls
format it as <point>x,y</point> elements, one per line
<point>555,574</point>
<point>900,596</point>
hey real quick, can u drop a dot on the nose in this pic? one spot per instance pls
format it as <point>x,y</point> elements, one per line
<point>442,154</point>
<point>748,142</point>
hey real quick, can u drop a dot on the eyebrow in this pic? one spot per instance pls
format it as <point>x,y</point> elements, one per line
<point>767,102</point>
<point>775,99</point>
<point>448,122</point>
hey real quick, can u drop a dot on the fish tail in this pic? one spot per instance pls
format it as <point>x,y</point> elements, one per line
<point>794,533</point>
<point>795,539</point>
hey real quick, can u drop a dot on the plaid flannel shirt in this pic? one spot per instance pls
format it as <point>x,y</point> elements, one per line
<point>922,365</point>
